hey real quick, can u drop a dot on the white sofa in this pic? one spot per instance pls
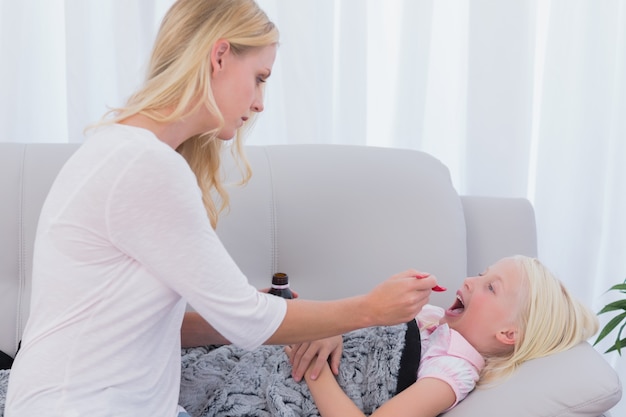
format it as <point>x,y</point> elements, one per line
<point>338,219</point>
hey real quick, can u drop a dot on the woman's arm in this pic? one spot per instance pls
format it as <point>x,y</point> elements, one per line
<point>427,397</point>
<point>196,331</point>
<point>396,300</point>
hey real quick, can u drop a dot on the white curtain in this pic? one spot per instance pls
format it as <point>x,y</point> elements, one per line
<point>519,98</point>
<point>64,63</point>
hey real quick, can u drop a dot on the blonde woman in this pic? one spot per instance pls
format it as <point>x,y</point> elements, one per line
<point>126,236</point>
<point>514,312</point>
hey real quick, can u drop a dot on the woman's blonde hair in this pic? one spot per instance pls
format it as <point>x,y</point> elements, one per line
<point>180,69</point>
<point>550,321</point>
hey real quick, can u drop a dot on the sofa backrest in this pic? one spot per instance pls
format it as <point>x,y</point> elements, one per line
<point>26,174</point>
<point>340,219</point>
<point>337,219</point>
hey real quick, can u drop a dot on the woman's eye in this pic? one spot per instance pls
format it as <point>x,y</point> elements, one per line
<point>260,80</point>
<point>490,287</point>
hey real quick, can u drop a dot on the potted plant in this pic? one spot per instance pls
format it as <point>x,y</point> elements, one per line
<point>619,320</point>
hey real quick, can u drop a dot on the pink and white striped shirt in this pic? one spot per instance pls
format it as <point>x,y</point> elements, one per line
<point>446,355</point>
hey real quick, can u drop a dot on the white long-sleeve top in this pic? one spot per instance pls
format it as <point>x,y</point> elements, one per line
<point>123,243</point>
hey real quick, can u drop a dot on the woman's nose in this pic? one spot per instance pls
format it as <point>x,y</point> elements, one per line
<point>257,107</point>
<point>469,283</point>
<point>257,104</point>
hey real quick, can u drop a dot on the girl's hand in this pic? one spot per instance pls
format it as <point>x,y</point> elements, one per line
<point>314,356</point>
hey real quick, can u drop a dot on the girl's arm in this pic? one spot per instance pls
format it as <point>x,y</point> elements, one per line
<point>427,397</point>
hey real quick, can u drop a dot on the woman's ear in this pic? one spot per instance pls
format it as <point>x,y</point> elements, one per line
<point>507,336</point>
<point>220,49</point>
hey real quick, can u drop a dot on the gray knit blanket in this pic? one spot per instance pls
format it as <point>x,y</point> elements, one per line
<point>216,381</point>
<point>376,363</point>
<point>4,380</point>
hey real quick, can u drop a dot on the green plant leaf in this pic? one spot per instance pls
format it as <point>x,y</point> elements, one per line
<point>615,305</point>
<point>612,324</point>
<point>619,344</point>
<point>620,287</point>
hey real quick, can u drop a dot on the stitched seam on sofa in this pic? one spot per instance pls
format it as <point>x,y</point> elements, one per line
<point>598,399</point>
<point>21,262</point>
<point>273,217</point>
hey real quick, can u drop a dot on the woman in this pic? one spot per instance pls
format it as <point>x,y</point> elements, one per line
<point>514,312</point>
<point>126,236</point>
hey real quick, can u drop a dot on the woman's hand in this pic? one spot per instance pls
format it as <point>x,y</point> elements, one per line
<point>315,354</point>
<point>266,290</point>
<point>399,298</point>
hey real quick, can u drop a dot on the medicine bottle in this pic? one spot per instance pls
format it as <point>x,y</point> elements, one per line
<point>280,286</point>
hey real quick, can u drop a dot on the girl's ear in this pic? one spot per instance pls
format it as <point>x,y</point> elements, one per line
<point>219,51</point>
<point>507,336</point>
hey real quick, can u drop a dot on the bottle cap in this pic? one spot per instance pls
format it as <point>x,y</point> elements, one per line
<point>280,278</point>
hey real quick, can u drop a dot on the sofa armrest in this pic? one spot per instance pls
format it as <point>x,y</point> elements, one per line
<point>579,382</point>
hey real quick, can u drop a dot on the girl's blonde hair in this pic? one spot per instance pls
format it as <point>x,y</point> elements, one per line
<point>180,71</point>
<point>550,321</point>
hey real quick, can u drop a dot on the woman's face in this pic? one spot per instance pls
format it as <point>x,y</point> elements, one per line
<point>237,84</point>
<point>487,307</point>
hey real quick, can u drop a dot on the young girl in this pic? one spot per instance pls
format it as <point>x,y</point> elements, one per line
<point>514,312</point>
<point>126,236</point>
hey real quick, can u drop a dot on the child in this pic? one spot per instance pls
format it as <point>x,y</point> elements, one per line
<point>513,312</point>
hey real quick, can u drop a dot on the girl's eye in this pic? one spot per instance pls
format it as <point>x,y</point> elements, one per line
<point>490,287</point>
<point>260,80</point>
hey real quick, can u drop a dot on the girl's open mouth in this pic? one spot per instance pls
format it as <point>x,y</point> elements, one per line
<point>457,308</point>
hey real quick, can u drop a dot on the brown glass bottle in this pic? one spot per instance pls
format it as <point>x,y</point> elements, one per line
<point>280,286</point>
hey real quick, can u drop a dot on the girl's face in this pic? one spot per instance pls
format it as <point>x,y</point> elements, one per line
<point>487,307</point>
<point>237,84</point>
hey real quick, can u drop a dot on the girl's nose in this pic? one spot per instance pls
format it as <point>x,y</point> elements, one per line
<point>469,283</point>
